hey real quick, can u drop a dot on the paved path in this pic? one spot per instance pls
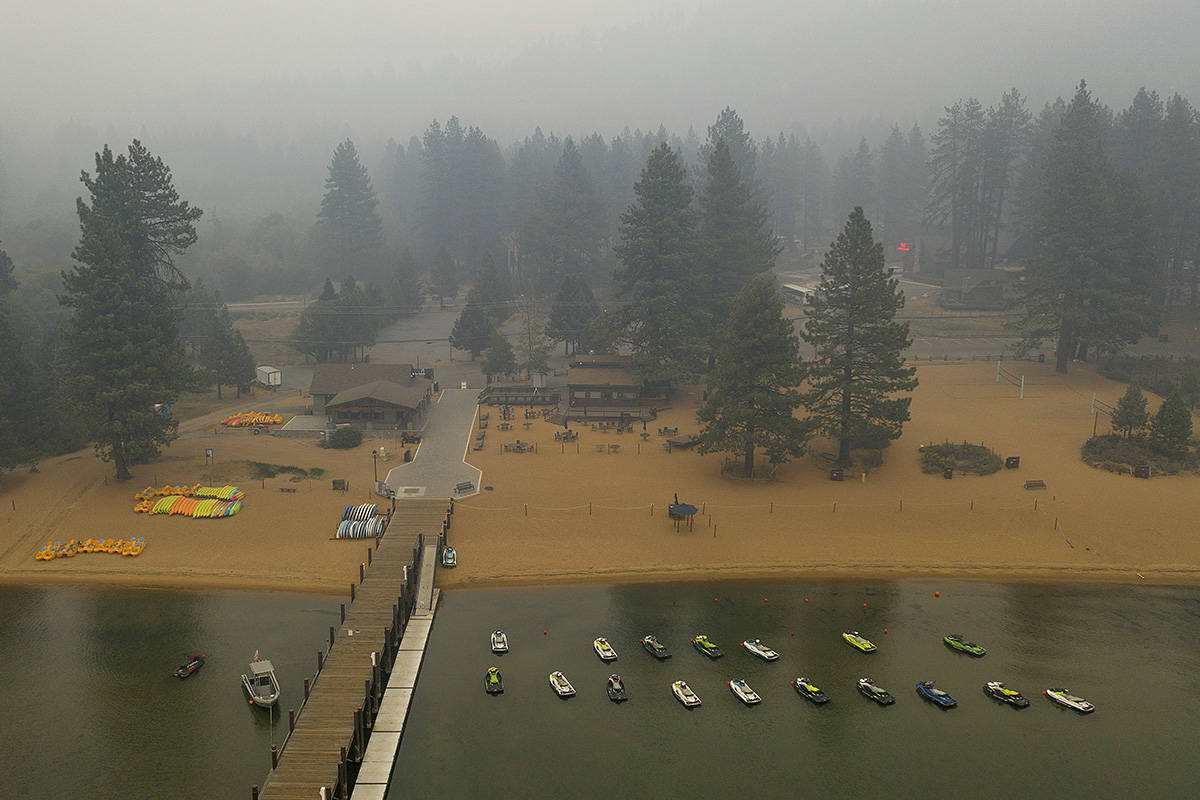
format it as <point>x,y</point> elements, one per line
<point>438,466</point>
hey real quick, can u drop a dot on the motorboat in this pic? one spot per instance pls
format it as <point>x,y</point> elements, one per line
<point>1002,693</point>
<point>743,692</point>
<point>807,689</point>
<point>707,646</point>
<point>499,642</point>
<point>261,684</point>
<point>757,648</point>
<point>877,693</point>
<point>194,662</point>
<point>857,640</point>
<point>654,647</point>
<point>685,694</point>
<point>616,688</point>
<point>604,649</point>
<point>449,558</point>
<point>492,683</point>
<point>956,642</point>
<point>935,695</point>
<point>1064,698</point>
<point>561,686</point>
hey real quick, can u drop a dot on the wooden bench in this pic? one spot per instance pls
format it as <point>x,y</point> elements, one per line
<point>465,486</point>
<point>1035,484</point>
<point>291,489</point>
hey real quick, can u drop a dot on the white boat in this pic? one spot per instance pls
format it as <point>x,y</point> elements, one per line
<point>756,647</point>
<point>744,692</point>
<point>685,694</point>
<point>1064,698</point>
<point>261,684</point>
<point>560,684</point>
<point>604,649</point>
<point>499,642</point>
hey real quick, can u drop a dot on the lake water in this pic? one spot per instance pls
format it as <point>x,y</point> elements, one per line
<point>1132,651</point>
<point>89,707</point>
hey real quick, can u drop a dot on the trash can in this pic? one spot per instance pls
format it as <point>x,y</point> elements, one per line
<point>835,474</point>
<point>948,473</point>
<point>1012,462</point>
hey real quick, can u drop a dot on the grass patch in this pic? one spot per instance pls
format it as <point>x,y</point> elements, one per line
<point>1116,453</point>
<point>258,469</point>
<point>973,459</point>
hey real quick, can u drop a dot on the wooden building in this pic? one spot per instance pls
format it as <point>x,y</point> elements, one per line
<point>370,396</point>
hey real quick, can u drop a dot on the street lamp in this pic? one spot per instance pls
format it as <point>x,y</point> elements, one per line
<point>375,463</point>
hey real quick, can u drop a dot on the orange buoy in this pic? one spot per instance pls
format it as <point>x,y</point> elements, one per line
<point>806,599</point>
<point>793,633</point>
<point>937,594</point>
<point>885,630</point>
<point>764,599</point>
<point>714,599</point>
<point>543,632</point>
<point>864,605</point>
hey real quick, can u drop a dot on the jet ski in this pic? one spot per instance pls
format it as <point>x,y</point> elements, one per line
<point>956,642</point>
<point>743,692</point>
<point>1064,698</point>
<point>1002,693</point>
<point>707,646</point>
<point>499,642</point>
<point>756,647</point>
<point>857,640</point>
<point>195,661</point>
<point>616,688</point>
<point>876,693</point>
<point>655,647</point>
<point>604,649</point>
<point>935,695</point>
<point>685,694</point>
<point>807,689</point>
<point>492,683</point>
<point>560,684</point>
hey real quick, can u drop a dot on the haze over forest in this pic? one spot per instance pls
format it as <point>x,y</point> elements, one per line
<point>211,88</point>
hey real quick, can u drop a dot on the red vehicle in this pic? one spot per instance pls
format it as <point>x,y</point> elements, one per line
<point>410,437</point>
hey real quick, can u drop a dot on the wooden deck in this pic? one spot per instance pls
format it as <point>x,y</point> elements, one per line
<point>332,727</point>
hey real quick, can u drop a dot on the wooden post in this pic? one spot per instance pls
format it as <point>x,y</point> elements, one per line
<point>320,661</point>
<point>362,571</point>
<point>291,720</point>
<point>972,504</point>
<point>352,588</point>
<point>901,503</point>
<point>835,506</point>
<point>1056,523</point>
<point>306,686</point>
<point>343,612</point>
<point>254,792</point>
<point>526,509</point>
<point>772,510</point>
<point>589,508</point>
<point>356,741</point>
<point>274,756</point>
<point>378,675</point>
<point>1035,504</point>
<point>368,556</point>
<point>343,779</point>
<point>332,631</point>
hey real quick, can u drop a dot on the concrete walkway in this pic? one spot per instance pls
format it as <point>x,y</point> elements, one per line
<point>438,466</point>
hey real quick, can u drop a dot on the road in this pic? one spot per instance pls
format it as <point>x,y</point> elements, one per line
<point>438,466</point>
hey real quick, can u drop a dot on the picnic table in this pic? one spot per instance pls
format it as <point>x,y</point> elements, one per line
<point>528,425</point>
<point>566,436</point>
<point>614,448</point>
<point>504,426</point>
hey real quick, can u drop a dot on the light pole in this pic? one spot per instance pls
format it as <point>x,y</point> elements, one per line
<point>375,463</point>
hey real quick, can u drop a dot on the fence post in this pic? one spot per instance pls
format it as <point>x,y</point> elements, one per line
<point>306,690</point>
<point>1022,387</point>
<point>997,370</point>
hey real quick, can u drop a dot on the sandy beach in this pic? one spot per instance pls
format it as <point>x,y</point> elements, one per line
<point>571,513</point>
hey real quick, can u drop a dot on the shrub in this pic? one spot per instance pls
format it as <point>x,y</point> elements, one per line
<point>345,438</point>
<point>1115,453</point>
<point>258,469</point>
<point>971,458</point>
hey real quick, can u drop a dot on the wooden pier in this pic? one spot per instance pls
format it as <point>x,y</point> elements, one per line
<point>333,725</point>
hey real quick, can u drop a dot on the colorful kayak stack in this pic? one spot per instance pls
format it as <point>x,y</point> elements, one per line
<point>249,419</point>
<point>361,522</point>
<point>197,502</point>
<point>121,547</point>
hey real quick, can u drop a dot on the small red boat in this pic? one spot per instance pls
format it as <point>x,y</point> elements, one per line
<point>195,661</point>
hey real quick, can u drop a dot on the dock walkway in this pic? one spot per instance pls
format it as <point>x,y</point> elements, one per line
<point>334,724</point>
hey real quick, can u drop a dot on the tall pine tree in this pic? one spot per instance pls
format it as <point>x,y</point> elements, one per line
<point>349,232</point>
<point>121,344</point>
<point>657,253</point>
<point>857,370</point>
<point>752,392</point>
<point>735,242</point>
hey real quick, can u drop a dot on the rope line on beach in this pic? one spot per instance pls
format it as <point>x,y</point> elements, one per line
<point>767,508</point>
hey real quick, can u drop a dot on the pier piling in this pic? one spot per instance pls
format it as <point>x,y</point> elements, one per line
<point>274,756</point>
<point>306,690</point>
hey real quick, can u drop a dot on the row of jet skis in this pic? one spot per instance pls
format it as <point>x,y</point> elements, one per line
<point>494,684</point>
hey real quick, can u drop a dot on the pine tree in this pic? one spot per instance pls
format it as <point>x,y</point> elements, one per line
<point>498,358</point>
<point>121,344</point>
<point>752,392</point>
<point>1090,282</point>
<point>472,330</point>
<point>1130,416</point>
<point>1172,425</point>
<point>735,242</point>
<point>657,253</point>
<point>729,128</point>
<point>857,369</point>
<point>7,282</point>
<point>405,288</point>
<point>561,234</point>
<point>492,290</point>
<point>224,353</point>
<point>574,307</point>
<point>349,231</point>
<point>445,276</point>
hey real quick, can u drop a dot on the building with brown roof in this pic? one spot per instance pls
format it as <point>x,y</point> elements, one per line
<point>370,395</point>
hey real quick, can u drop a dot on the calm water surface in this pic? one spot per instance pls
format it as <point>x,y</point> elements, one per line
<point>89,707</point>
<point>1132,651</point>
